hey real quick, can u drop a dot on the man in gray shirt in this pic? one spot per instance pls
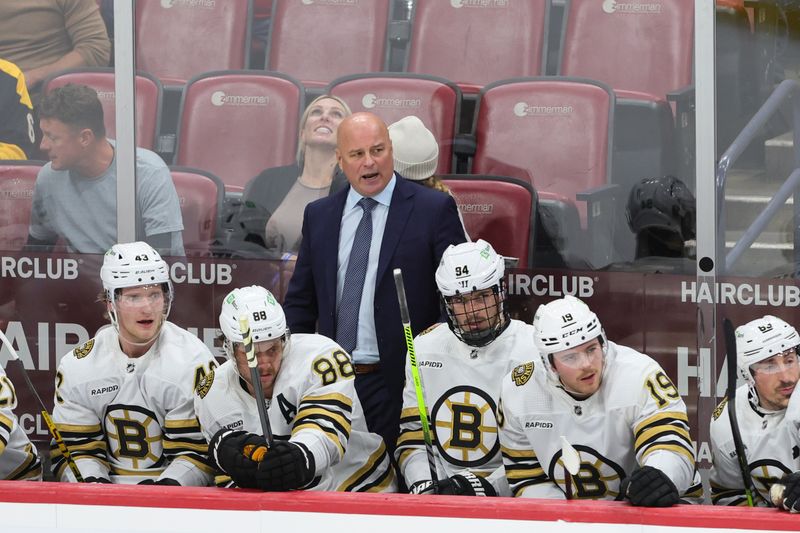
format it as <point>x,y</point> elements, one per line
<point>75,197</point>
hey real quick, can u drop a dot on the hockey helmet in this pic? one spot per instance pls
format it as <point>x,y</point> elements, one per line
<point>662,203</point>
<point>761,339</point>
<point>563,324</point>
<point>264,313</point>
<point>467,268</point>
<point>134,264</point>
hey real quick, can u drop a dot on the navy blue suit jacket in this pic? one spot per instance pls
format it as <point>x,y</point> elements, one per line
<point>421,224</point>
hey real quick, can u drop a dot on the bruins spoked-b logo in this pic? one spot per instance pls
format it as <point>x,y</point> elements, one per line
<point>598,477</point>
<point>465,424</point>
<point>134,436</point>
<point>522,373</point>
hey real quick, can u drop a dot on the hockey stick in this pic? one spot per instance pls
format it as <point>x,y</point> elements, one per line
<point>730,346</point>
<point>244,327</point>
<point>62,446</point>
<point>572,464</point>
<point>412,357</point>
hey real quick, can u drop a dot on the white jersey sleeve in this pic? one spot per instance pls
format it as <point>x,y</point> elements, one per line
<point>18,457</point>
<point>79,425</point>
<point>661,430</point>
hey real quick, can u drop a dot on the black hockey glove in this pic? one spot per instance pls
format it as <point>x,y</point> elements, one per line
<point>463,484</point>
<point>286,466</point>
<point>167,481</point>
<point>227,451</point>
<point>466,484</point>
<point>92,479</point>
<point>791,492</point>
<point>650,487</point>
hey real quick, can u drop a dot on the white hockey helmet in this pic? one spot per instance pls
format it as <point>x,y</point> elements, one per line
<point>134,264</point>
<point>264,313</point>
<point>563,324</point>
<point>761,339</point>
<point>466,268</point>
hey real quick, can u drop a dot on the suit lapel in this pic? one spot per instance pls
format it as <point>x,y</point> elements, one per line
<point>330,240</point>
<point>399,212</point>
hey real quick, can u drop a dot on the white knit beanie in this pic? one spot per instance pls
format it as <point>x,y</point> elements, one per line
<point>416,153</point>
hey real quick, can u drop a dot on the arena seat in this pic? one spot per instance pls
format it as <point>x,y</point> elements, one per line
<point>236,123</point>
<point>148,100</point>
<point>17,179</point>
<point>179,39</point>
<point>316,42</point>
<point>201,195</point>
<point>498,209</point>
<point>475,43</point>
<point>392,96</point>
<point>556,133</point>
<point>601,40</point>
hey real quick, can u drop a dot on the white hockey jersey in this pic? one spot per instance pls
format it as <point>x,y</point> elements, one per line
<point>636,417</point>
<point>129,419</point>
<point>314,402</point>
<point>18,456</point>
<point>771,445</point>
<point>461,384</point>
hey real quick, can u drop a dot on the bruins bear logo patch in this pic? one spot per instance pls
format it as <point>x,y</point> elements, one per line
<point>522,373</point>
<point>718,409</point>
<point>429,329</point>
<point>82,351</point>
<point>205,384</point>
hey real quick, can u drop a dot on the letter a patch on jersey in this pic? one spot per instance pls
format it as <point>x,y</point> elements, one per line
<point>522,373</point>
<point>82,351</point>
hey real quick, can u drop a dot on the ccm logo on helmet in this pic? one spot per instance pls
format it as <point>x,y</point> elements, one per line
<point>538,424</point>
<point>571,333</point>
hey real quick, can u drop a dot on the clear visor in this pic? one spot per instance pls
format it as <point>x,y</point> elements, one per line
<point>579,358</point>
<point>144,297</point>
<point>786,360</point>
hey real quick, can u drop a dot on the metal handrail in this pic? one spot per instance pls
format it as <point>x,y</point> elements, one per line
<point>785,91</point>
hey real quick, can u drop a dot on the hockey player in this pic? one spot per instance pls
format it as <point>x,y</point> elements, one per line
<point>123,400</point>
<point>463,365</point>
<point>614,405</point>
<point>321,438</point>
<point>768,415</point>
<point>18,457</point>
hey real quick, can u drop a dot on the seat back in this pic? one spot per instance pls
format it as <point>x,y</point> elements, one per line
<point>201,195</point>
<point>435,101</point>
<point>500,210</point>
<point>316,42</point>
<point>178,39</point>
<point>235,124</point>
<point>602,40</point>
<point>475,43</point>
<point>148,100</point>
<point>17,179</point>
<point>555,131</point>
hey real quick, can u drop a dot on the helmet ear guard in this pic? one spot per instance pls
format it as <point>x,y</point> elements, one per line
<point>465,269</point>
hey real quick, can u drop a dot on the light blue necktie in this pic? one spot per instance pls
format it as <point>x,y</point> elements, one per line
<point>347,313</point>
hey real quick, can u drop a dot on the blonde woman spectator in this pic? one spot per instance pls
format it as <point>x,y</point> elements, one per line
<point>416,155</point>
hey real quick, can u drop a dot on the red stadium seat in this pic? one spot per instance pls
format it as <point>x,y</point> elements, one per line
<point>499,210</point>
<point>475,43</point>
<point>236,123</point>
<point>17,179</point>
<point>148,100</point>
<point>201,195</point>
<point>318,41</point>
<point>556,133</point>
<point>435,101</point>
<point>178,39</point>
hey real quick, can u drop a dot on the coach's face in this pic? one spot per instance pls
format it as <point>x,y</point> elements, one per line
<point>364,153</point>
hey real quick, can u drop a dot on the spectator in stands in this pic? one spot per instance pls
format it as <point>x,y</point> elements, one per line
<point>273,202</point>
<point>343,285</point>
<point>606,408</point>
<point>416,155</point>
<point>75,196</point>
<point>767,360</point>
<point>46,36</point>
<point>17,134</point>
